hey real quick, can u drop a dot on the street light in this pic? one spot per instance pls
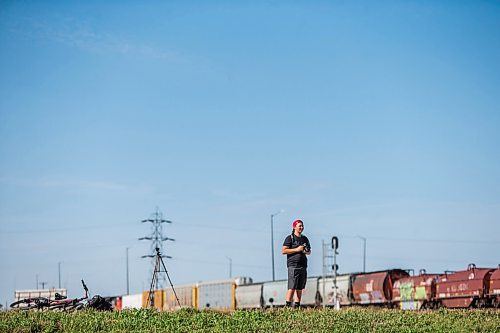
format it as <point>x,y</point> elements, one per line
<point>59,273</point>
<point>230,266</point>
<point>127,270</point>
<point>364,251</point>
<point>272,237</point>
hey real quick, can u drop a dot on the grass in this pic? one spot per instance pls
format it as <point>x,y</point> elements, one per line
<point>280,320</point>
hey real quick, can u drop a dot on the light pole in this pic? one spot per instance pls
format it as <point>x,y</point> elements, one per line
<point>59,273</point>
<point>272,238</point>
<point>230,267</point>
<point>126,250</point>
<point>364,251</point>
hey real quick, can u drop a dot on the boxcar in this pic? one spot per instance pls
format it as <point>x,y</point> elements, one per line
<point>249,296</point>
<point>219,294</point>
<point>415,292</point>
<point>344,290</point>
<point>464,289</point>
<point>375,288</point>
<point>186,295</point>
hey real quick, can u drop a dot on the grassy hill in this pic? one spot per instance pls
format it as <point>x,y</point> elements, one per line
<point>280,320</point>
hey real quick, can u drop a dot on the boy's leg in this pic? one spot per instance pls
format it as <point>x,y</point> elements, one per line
<point>289,297</point>
<point>298,295</point>
<point>301,284</point>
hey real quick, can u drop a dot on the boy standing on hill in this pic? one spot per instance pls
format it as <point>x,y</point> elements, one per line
<point>296,247</point>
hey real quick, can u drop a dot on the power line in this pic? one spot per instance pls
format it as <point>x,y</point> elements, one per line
<point>100,226</point>
<point>430,240</point>
<point>471,241</point>
<point>121,225</point>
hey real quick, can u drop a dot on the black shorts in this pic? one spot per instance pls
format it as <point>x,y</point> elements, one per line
<point>297,277</point>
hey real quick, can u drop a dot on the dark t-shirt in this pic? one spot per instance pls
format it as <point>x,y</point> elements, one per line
<point>296,259</point>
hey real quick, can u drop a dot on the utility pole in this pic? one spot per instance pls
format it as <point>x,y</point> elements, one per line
<point>364,252</point>
<point>230,267</point>
<point>59,273</point>
<point>156,237</point>
<point>127,271</point>
<point>272,238</point>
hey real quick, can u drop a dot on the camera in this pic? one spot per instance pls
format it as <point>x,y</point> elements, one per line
<point>306,248</point>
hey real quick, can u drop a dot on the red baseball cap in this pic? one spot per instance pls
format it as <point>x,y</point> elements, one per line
<point>297,221</point>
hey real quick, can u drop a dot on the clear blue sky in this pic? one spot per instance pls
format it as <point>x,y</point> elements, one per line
<point>361,118</point>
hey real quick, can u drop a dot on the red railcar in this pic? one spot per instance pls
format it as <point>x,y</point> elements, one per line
<point>375,288</point>
<point>464,289</point>
<point>494,288</point>
<point>415,292</point>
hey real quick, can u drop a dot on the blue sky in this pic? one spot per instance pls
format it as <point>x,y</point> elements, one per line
<point>380,120</point>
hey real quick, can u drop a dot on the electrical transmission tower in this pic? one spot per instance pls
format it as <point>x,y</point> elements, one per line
<point>156,237</point>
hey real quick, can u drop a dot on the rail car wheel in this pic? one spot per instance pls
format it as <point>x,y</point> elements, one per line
<point>481,303</point>
<point>495,302</point>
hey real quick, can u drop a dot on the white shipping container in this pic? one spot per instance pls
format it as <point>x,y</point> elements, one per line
<point>32,293</point>
<point>132,301</point>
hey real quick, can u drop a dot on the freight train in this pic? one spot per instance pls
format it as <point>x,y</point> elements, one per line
<point>394,288</point>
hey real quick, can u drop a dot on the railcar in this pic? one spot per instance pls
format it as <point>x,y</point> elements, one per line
<point>187,295</point>
<point>274,293</point>
<point>494,288</point>
<point>375,288</point>
<point>464,289</point>
<point>249,296</point>
<point>344,290</point>
<point>219,295</point>
<point>415,292</point>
